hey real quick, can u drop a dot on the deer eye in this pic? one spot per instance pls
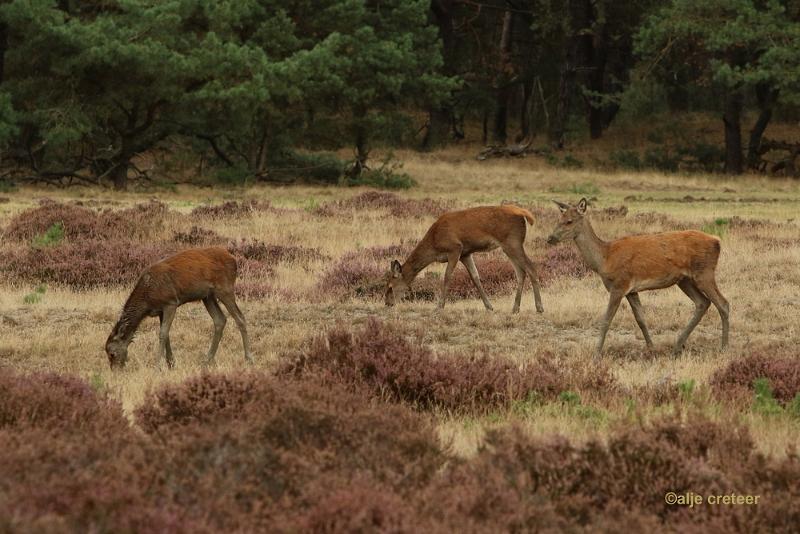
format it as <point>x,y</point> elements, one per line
<point>569,222</point>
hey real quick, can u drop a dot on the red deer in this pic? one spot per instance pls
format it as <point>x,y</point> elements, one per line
<point>456,236</point>
<point>205,274</point>
<point>644,262</point>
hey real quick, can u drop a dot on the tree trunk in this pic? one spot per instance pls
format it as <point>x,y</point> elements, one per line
<point>733,132</point>
<point>597,121</point>
<point>579,13</point>
<point>596,109</point>
<point>525,114</point>
<point>440,121</point>
<point>362,147</point>
<point>3,48</point>
<point>119,176</point>
<point>500,130</point>
<point>566,82</point>
<point>766,100</point>
<point>618,62</point>
<point>262,154</point>
<point>677,91</point>
<point>440,117</point>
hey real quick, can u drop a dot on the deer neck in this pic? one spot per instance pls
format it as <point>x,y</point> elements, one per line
<point>593,249</point>
<point>420,257</point>
<point>132,315</point>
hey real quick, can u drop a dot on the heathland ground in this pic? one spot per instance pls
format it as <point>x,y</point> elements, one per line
<point>301,295</point>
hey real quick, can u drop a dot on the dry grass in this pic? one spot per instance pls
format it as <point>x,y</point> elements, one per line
<point>758,273</point>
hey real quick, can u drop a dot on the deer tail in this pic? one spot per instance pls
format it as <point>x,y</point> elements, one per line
<point>511,209</point>
<point>528,216</point>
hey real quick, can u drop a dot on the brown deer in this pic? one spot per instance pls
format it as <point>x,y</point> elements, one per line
<point>643,262</point>
<point>205,274</point>
<point>459,234</point>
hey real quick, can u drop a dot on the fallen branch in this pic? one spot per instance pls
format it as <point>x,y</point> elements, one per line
<point>517,150</point>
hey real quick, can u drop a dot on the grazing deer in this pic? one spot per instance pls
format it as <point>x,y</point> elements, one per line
<point>643,262</point>
<point>456,236</point>
<point>205,274</point>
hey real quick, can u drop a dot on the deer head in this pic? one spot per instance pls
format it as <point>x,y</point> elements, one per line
<point>569,224</point>
<point>396,286</point>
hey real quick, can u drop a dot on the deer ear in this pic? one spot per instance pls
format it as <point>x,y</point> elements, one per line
<point>582,206</point>
<point>396,268</point>
<point>563,207</point>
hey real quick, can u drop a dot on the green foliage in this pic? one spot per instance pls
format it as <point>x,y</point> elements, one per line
<point>311,205</point>
<point>698,157</point>
<point>7,186</point>
<point>586,188</point>
<point>36,296</point>
<point>764,402</point>
<point>387,176</point>
<point>527,406</point>
<point>567,162</point>
<point>718,228</point>
<point>729,43</point>
<point>97,383</point>
<point>793,408</point>
<point>571,162</point>
<point>686,389</point>
<point>164,185</point>
<point>641,99</point>
<point>317,167</point>
<point>8,119</point>
<point>243,79</point>
<point>626,159</point>
<point>382,179</point>
<point>702,156</point>
<point>571,401</point>
<point>53,236</point>
<point>569,398</point>
<point>233,176</point>
<point>655,136</point>
<point>661,159</point>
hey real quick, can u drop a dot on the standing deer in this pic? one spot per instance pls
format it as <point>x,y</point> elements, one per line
<point>456,236</point>
<point>205,274</point>
<point>643,262</point>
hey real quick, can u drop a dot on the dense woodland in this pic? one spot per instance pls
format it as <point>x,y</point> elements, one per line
<point>261,87</point>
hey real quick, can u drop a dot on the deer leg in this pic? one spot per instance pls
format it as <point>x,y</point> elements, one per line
<point>164,347</point>
<point>229,301</point>
<point>531,268</point>
<point>219,325</point>
<point>516,254</point>
<point>636,308</point>
<point>520,272</point>
<point>452,261</point>
<point>469,263</point>
<point>701,304</point>
<point>614,299</point>
<point>708,286</point>
<point>170,358</point>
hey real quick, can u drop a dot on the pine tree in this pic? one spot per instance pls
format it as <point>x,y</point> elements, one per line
<point>733,46</point>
